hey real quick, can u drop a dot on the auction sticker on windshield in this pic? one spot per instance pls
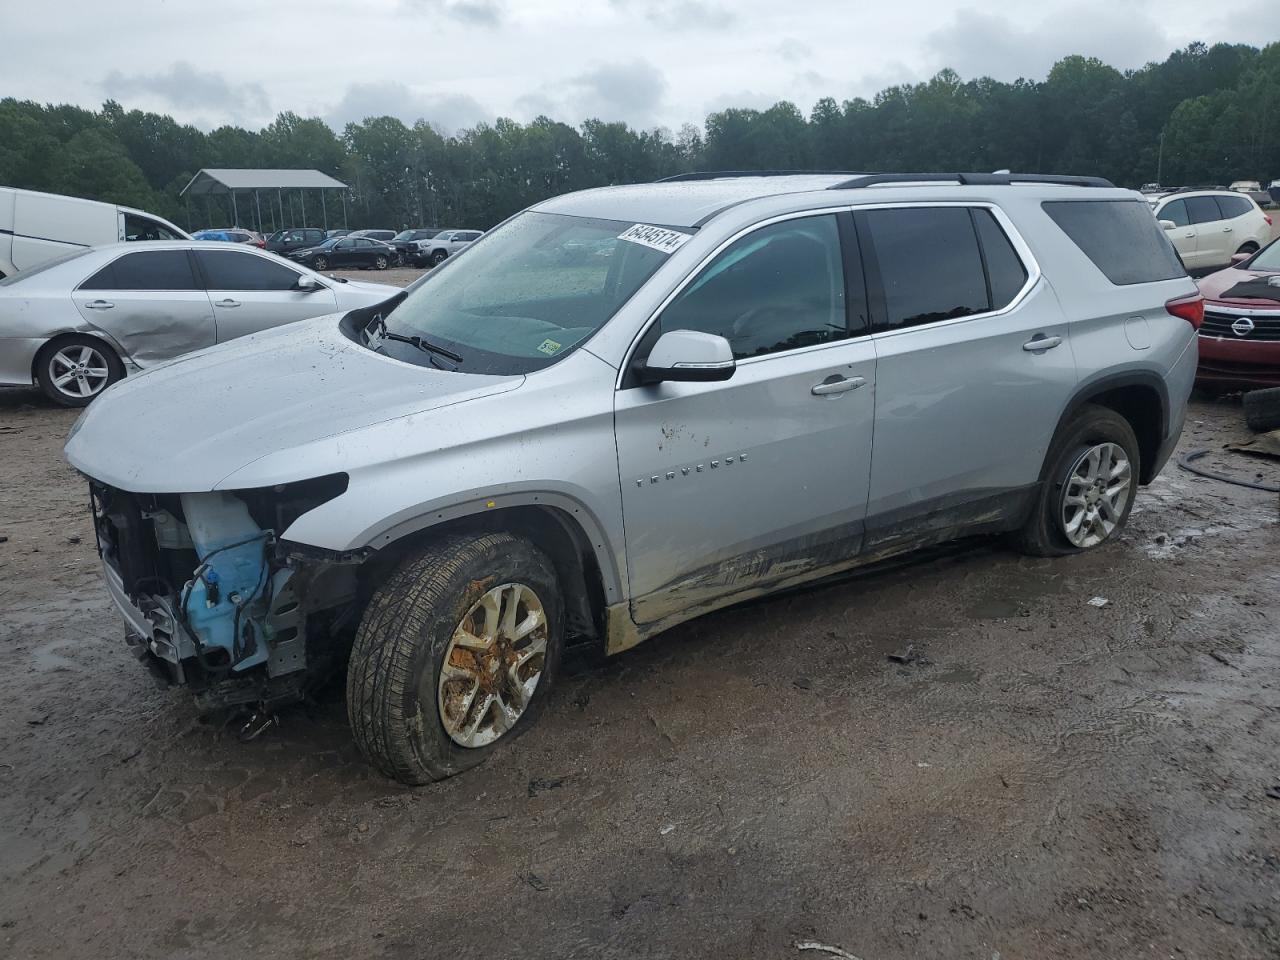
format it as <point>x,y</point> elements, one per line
<point>657,238</point>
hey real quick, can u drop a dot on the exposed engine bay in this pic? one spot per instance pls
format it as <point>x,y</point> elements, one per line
<point>217,601</point>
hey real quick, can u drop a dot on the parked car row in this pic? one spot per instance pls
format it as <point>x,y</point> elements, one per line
<point>421,246</point>
<point>232,235</point>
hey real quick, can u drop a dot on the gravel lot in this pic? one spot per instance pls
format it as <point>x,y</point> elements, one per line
<point>1041,778</point>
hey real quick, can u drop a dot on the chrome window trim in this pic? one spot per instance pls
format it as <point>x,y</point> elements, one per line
<point>1020,247</point>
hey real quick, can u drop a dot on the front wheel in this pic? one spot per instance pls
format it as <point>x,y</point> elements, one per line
<point>437,258</point>
<point>320,263</point>
<point>1088,489</point>
<point>74,370</point>
<point>380,262</point>
<point>455,654</point>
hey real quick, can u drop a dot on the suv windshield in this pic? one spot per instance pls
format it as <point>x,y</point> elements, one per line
<point>525,295</point>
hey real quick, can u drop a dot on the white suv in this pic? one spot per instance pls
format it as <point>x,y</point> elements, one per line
<point>445,244</point>
<point>1208,226</point>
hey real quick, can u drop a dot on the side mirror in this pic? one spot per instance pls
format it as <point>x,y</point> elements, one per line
<point>689,356</point>
<point>1239,258</point>
<point>1168,225</point>
<point>307,284</point>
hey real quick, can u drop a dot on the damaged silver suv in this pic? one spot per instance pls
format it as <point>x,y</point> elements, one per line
<point>624,408</point>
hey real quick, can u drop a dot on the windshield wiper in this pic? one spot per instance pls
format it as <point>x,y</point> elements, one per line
<point>374,341</point>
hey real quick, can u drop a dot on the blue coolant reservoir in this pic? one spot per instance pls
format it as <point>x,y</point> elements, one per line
<point>232,551</point>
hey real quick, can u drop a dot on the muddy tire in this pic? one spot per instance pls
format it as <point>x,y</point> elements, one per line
<point>1262,409</point>
<point>415,659</point>
<point>73,370</point>
<point>1088,486</point>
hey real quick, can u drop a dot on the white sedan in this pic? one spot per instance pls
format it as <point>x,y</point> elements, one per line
<point>77,324</point>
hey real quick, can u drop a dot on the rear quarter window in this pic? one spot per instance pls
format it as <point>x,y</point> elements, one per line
<point>1120,237</point>
<point>1233,207</point>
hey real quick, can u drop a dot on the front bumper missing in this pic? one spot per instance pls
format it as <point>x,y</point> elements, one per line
<point>300,618</point>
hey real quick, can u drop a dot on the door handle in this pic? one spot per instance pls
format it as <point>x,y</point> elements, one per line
<point>1226,229</point>
<point>1040,342</point>
<point>228,302</point>
<point>99,305</point>
<point>835,385</point>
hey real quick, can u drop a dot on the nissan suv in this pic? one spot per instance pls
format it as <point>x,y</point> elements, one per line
<point>770,380</point>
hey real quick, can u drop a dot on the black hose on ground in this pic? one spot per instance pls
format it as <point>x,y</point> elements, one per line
<point>1185,462</point>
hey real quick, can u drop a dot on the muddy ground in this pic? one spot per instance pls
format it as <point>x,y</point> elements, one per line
<point>1042,778</point>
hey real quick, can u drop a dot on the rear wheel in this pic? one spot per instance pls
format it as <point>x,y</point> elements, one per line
<point>455,654</point>
<point>320,263</point>
<point>73,370</point>
<point>1089,487</point>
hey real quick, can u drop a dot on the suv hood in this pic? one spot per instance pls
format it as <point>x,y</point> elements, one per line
<point>186,425</point>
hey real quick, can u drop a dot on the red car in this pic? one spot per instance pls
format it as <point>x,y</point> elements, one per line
<point>1240,336</point>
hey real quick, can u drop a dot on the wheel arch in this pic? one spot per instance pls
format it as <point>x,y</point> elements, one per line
<point>1142,398</point>
<point>564,529</point>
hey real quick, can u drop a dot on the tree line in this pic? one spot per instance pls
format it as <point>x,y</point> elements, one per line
<point>1203,115</point>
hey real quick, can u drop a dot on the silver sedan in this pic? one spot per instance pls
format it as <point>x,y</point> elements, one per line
<point>77,324</point>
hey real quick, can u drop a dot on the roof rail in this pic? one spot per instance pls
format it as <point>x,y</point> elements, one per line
<point>719,174</point>
<point>970,179</point>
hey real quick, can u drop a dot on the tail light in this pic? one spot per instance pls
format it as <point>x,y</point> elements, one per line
<point>1267,217</point>
<point>1190,309</point>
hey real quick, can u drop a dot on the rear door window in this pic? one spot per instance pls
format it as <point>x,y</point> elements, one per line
<point>1121,238</point>
<point>1203,209</point>
<point>232,270</point>
<point>928,261</point>
<point>149,270</point>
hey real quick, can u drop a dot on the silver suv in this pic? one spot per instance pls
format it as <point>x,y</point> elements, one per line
<point>752,382</point>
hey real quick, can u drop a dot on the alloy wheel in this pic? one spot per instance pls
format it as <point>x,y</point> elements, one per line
<point>79,371</point>
<point>1095,494</point>
<point>492,665</point>
<point>320,263</point>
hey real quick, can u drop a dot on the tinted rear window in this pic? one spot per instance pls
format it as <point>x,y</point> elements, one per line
<point>1233,207</point>
<point>153,270</point>
<point>1121,237</point>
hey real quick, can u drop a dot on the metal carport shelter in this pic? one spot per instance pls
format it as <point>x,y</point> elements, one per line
<point>210,182</point>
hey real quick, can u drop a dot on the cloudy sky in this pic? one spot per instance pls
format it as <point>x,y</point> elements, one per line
<point>649,62</point>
